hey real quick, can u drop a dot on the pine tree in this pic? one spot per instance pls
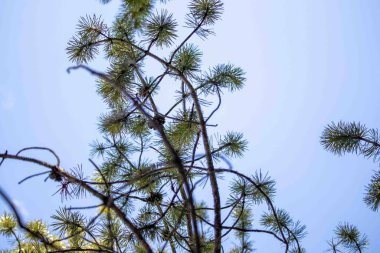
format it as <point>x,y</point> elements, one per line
<point>348,237</point>
<point>157,161</point>
<point>353,137</point>
<point>356,138</point>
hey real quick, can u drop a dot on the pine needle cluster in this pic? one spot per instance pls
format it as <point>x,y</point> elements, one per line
<point>353,137</point>
<point>349,238</point>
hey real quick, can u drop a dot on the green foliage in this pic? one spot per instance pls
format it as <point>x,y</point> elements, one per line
<point>122,77</point>
<point>156,154</point>
<point>356,138</point>
<point>8,225</point>
<point>38,227</point>
<point>265,183</point>
<point>83,47</point>
<point>223,76</point>
<point>161,29</point>
<point>138,9</point>
<point>349,237</point>
<point>203,13</point>
<point>70,224</point>
<point>187,60</point>
<point>243,216</point>
<point>351,137</point>
<point>296,250</point>
<point>259,190</point>
<point>281,220</point>
<point>182,132</point>
<point>372,195</point>
<point>343,137</point>
<point>233,144</point>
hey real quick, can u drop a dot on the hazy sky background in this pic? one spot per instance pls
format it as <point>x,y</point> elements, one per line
<point>307,62</point>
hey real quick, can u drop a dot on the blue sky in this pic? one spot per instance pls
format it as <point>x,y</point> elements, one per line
<point>307,62</point>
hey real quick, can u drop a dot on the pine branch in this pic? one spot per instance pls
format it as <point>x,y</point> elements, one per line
<point>95,193</point>
<point>351,137</point>
<point>176,159</point>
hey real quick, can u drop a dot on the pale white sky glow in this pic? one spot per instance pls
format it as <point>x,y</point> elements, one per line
<point>22,208</point>
<point>7,100</point>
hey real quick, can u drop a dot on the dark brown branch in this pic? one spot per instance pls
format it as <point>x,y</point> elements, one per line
<point>267,198</point>
<point>245,229</point>
<point>42,148</point>
<point>81,250</point>
<point>34,175</point>
<point>176,159</point>
<point>94,192</point>
<point>213,180</point>
<point>21,223</point>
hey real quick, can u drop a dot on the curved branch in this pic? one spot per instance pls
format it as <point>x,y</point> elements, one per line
<point>94,192</point>
<point>41,148</point>
<point>21,223</point>
<point>176,159</point>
